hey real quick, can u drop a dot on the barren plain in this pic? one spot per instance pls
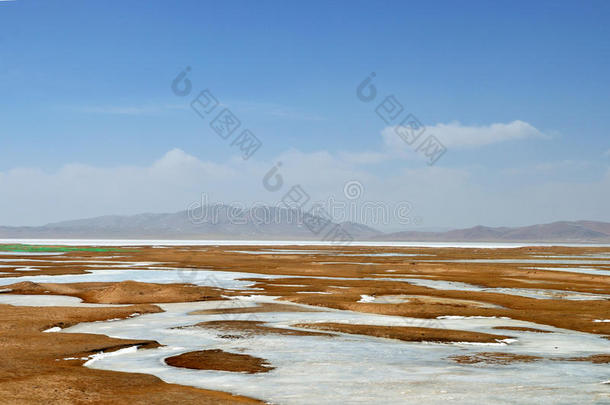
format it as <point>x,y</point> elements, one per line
<point>304,324</point>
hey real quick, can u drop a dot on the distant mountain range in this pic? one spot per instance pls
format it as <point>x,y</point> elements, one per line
<point>269,223</point>
<point>562,231</point>
<point>216,222</point>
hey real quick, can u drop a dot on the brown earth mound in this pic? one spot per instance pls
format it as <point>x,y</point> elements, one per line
<point>266,307</point>
<point>33,369</point>
<point>251,328</point>
<point>595,358</point>
<point>494,358</point>
<point>219,360</point>
<point>126,292</point>
<point>407,333</point>
<point>522,328</point>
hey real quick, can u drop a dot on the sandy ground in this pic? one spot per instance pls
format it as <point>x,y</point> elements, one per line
<point>35,370</point>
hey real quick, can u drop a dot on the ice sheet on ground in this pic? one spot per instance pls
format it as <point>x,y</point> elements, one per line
<point>403,298</point>
<point>212,278</point>
<point>523,292</point>
<point>516,261</point>
<point>13,253</point>
<point>325,370</point>
<point>583,270</point>
<point>31,300</point>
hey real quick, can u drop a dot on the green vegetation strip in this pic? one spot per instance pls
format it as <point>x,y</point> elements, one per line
<point>35,248</point>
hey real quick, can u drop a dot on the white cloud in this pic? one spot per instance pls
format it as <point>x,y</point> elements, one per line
<point>79,190</point>
<point>440,196</point>
<point>456,135</point>
<point>363,157</point>
<point>550,167</point>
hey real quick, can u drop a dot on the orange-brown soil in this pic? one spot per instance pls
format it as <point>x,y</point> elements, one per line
<point>406,333</point>
<point>33,369</point>
<point>495,358</point>
<point>252,328</point>
<point>31,373</point>
<point>266,307</point>
<point>575,315</point>
<point>125,292</point>
<point>450,302</point>
<point>507,358</point>
<point>522,328</point>
<point>595,358</point>
<point>217,359</point>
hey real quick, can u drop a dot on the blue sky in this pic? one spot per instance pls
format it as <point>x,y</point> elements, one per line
<point>88,112</point>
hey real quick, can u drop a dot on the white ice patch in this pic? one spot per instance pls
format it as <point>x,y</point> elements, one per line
<point>522,292</point>
<point>287,285</point>
<point>499,342</point>
<point>313,292</point>
<point>358,368</point>
<point>28,268</point>
<point>470,317</point>
<point>281,252</point>
<point>25,300</point>
<point>517,261</point>
<point>366,298</point>
<point>583,270</point>
<point>53,329</point>
<point>2,259</point>
<point>358,263</point>
<point>95,357</point>
<point>211,278</point>
<point>13,253</point>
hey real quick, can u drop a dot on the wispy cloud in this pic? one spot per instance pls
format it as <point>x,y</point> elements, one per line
<point>178,178</point>
<point>274,110</point>
<point>456,135</point>
<point>146,109</point>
